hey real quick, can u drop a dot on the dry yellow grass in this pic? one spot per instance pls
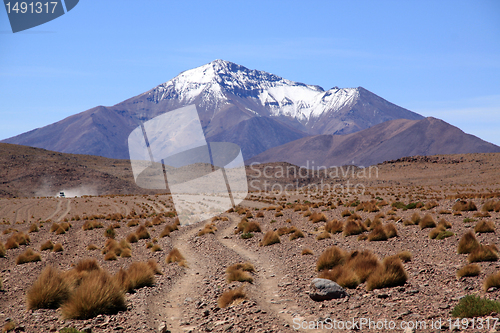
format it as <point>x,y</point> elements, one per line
<point>271,237</point>
<point>334,226</point>
<point>469,270</point>
<point>427,222</point>
<point>98,293</point>
<point>343,276</point>
<point>57,248</point>
<point>390,274</point>
<point>467,243</point>
<point>141,233</point>
<point>324,235</point>
<point>306,252</point>
<point>175,256</point>
<point>492,280</point>
<point>240,272</point>
<point>483,253</point>
<point>405,256</point>
<point>353,227</point>
<point>317,217</point>
<point>330,258</point>
<point>47,246</point>
<point>3,250</point>
<point>209,228</point>
<point>464,206</point>
<point>484,226</point>
<point>231,296</point>
<point>28,256</point>
<point>49,291</point>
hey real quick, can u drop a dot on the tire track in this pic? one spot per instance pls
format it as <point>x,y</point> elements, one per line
<point>58,207</point>
<point>68,208</point>
<point>267,279</point>
<point>183,288</point>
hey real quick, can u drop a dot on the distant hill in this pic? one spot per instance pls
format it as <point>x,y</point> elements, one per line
<point>387,141</point>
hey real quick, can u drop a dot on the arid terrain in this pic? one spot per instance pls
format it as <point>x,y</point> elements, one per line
<point>186,295</point>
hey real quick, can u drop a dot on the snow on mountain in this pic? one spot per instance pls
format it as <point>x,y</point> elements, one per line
<point>279,96</point>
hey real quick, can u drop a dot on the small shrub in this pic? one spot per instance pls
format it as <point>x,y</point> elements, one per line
<point>296,234</point>
<point>154,266</point>
<point>140,274</point>
<point>57,247</point>
<point>54,227</point>
<point>484,226</point>
<point>378,234</point>
<point>252,227</point>
<point>469,270</point>
<point>317,217</point>
<point>330,258</point>
<point>488,206</point>
<point>390,274</point>
<point>345,213</point>
<point>126,253</point>
<point>343,276</point>
<point>306,252</point>
<point>431,204</point>
<point>492,280</point>
<point>47,246</point>
<point>89,225</point>
<point>28,256</point>
<point>427,222</point>
<point>175,256</point>
<point>467,243</point>
<point>49,291</point>
<point>110,232</point>
<point>363,263</point>
<point>468,219</point>
<point>353,228</point>
<point>110,256</point>
<point>246,235</point>
<point>415,218</point>
<point>474,306</point>
<point>278,214</point>
<point>444,212</point>
<point>444,223</point>
<point>33,228</point>
<point>156,248</point>
<point>324,235</point>
<point>391,230</point>
<point>209,228</point>
<point>334,226</point>
<point>239,272</point>
<point>142,233</point>
<point>133,223</point>
<point>132,238</point>
<point>229,297</point>
<point>464,206</point>
<point>92,247</point>
<point>483,253</point>
<point>271,237</point>
<point>97,294</point>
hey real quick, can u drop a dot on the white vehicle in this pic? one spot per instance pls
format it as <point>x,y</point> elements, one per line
<point>61,195</point>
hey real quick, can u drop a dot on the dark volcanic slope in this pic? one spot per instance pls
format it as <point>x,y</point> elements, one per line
<point>27,172</point>
<point>258,134</point>
<point>387,141</point>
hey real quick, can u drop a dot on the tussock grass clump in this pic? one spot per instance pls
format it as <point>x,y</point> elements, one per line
<point>140,274</point>
<point>467,243</point>
<point>391,230</point>
<point>33,228</point>
<point>343,276</point>
<point>334,226</point>
<point>330,258</point>
<point>231,296</point>
<point>17,239</point>
<point>87,265</point>
<point>317,217</point>
<point>378,234</point>
<point>353,227</point>
<point>241,225</point>
<point>485,226</point>
<point>442,222</point>
<point>111,256</point>
<point>132,223</point>
<point>415,218</point>
<point>296,233</point>
<point>110,232</point>
<point>431,204</point>
<point>427,222</point>
<point>362,263</point>
<point>390,274</point>
<point>354,216</point>
<point>154,266</point>
<point>169,228</point>
<point>345,213</point>
<point>489,206</point>
<point>175,256</point>
<point>440,233</point>
<point>54,227</point>
<point>47,246</point>
<point>444,212</point>
<point>483,253</point>
<point>57,248</point>
<point>97,294</point>
<point>132,238</point>
<point>474,306</point>
<point>278,214</point>
<point>209,228</point>
<point>405,256</point>
<point>492,280</point>
<point>307,252</point>
<point>469,270</point>
<point>126,253</point>
<point>142,233</point>
<point>370,207</point>
<point>376,223</point>
<point>252,227</point>
<point>3,250</point>
<point>271,237</point>
<point>49,291</point>
<point>259,214</point>
<point>90,225</point>
<point>464,206</point>
<point>324,235</point>
<point>240,272</point>
<point>9,326</point>
<point>28,256</point>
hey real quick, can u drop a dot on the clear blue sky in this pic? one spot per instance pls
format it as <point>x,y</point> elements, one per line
<point>437,58</point>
